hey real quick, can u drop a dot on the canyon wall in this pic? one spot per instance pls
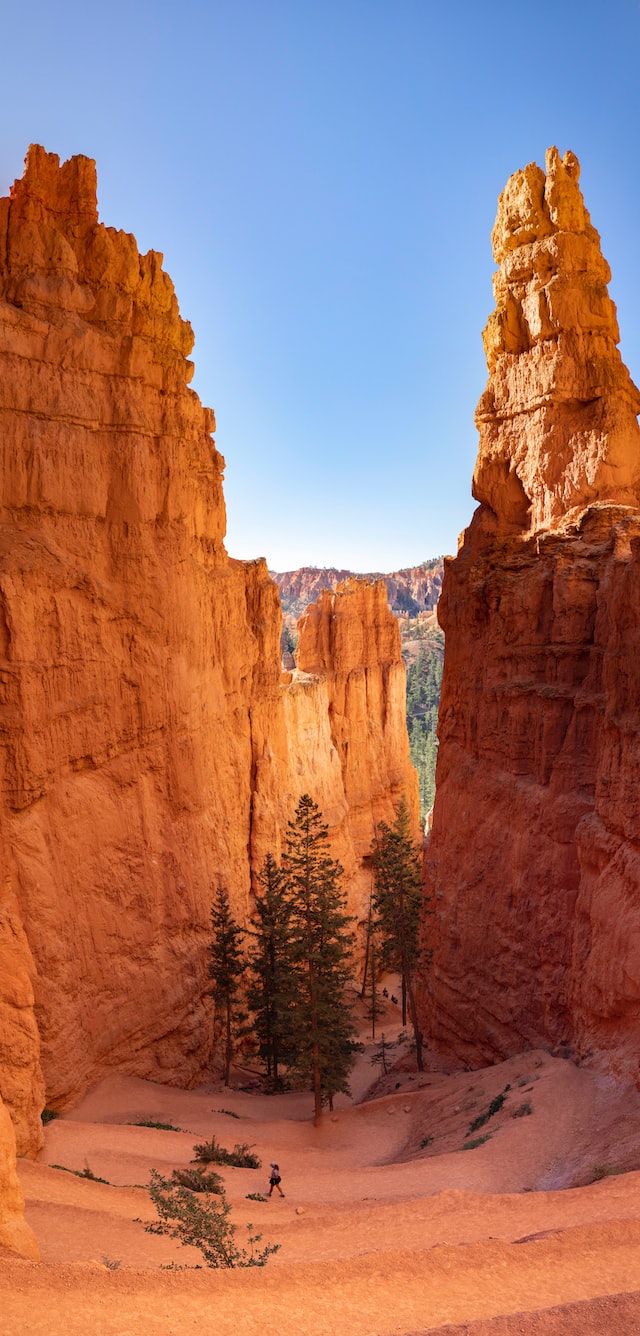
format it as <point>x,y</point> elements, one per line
<point>533,863</point>
<point>150,748</point>
<point>412,590</point>
<point>350,674</point>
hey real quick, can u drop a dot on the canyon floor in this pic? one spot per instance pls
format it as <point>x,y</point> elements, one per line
<point>379,1232</point>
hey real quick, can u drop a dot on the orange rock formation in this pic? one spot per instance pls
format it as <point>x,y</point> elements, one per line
<point>149,748</point>
<point>15,1233</point>
<point>533,864</point>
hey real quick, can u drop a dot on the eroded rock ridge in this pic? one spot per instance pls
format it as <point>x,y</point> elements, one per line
<point>148,748</point>
<point>533,863</point>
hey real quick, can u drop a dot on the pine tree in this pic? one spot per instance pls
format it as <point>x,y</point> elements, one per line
<point>321,1029</point>
<point>226,966</point>
<point>269,994</point>
<point>398,900</point>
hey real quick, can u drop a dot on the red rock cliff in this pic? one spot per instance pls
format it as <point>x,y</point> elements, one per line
<point>533,863</point>
<point>148,749</point>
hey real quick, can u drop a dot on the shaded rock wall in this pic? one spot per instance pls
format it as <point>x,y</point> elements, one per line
<point>149,748</point>
<point>533,864</point>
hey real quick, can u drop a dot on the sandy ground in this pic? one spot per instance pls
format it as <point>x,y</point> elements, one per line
<point>380,1233</point>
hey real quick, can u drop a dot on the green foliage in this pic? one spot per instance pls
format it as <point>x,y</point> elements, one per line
<point>399,901</point>
<point>47,1116</point>
<point>477,1141</point>
<point>424,678</point>
<point>197,1181</point>
<point>111,1263</point>
<point>381,1055</point>
<point>271,990</point>
<point>522,1111</point>
<point>161,1127</point>
<point>426,1141</point>
<point>226,967</point>
<point>229,1112</point>
<point>202,1224</point>
<point>256,1196</point>
<point>600,1171</point>
<point>320,1027</point>
<point>241,1157</point>
<point>494,1107</point>
<point>83,1173</point>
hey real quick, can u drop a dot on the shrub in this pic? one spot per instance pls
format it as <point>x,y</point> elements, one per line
<point>47,1116</point>
<point>161,1127</point>
<point>426,1141</point>
<point>256,1196</point>
<point>241,1157</point>
<point>494,1107</point>
<point>523,1110</point>
<point>600,1171</point>
<point>203,1225</point>
<point>477,1141</point>
<point>229,1112</point>
<point>197,1181</point>
<point>82,1173</point>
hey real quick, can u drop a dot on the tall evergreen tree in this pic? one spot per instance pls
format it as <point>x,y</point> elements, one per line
<point>398,898</point>
<point>269,994</point>
<point>320,1024</point>
<point>226,966</point>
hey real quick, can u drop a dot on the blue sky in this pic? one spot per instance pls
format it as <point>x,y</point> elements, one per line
<point>322,178</point>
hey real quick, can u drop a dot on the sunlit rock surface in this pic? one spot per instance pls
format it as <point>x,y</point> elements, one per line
<point>150,748</point>
<point>533,863</point>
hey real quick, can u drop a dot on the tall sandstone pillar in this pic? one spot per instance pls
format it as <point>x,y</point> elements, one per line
<point>150,747</point>
<point>533,863</point>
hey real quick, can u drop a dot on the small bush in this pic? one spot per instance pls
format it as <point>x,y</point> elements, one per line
<point>477,1141</point>
<point>256,1196</point>
<point>426,1141</point>
<point>197,1181</point>
<point>204,1225</point>
<point>82,1173</point>
<point>522,1111</point>
<point>494,1107</point>
<point>600,1171</point>
<point>47,1116</point>
<point>229,1112</point>
<point>112,1263</point>
<point>160,1127</point>
<point>241,1157</point>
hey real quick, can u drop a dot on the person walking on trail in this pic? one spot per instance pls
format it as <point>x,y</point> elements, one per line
<point>274,1178</point>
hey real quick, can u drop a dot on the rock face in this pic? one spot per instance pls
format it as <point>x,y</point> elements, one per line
<point>351,675</point>
<point>148,749</point>
<point>15,1234</point>
<point>412,590</point>
<point>533,864</point>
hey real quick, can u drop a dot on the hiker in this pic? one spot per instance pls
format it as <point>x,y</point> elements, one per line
<point>394,999</point>
<point>385,992</point>
<point>274,1178</point>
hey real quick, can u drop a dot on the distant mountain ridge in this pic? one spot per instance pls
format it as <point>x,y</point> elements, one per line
<point>410,591</point>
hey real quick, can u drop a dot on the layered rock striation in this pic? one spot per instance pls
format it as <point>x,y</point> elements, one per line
<point>533,864</point>
<point>149,747</point>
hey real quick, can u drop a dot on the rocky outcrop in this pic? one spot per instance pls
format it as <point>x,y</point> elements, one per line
<point>149,748</point>
<point>533,864</point>
<point>15,1234</point>
<point>412,590</point>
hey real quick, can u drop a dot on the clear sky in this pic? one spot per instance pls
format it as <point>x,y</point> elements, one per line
<point>322,177</point>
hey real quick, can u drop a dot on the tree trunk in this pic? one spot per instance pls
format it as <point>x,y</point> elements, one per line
<point>416,1028</point>
<point>227,1056</point>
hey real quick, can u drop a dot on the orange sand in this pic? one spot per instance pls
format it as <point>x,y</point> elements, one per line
<point>378,1235</point>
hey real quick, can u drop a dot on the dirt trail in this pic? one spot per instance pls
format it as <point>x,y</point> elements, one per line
<point>387,1226</point>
